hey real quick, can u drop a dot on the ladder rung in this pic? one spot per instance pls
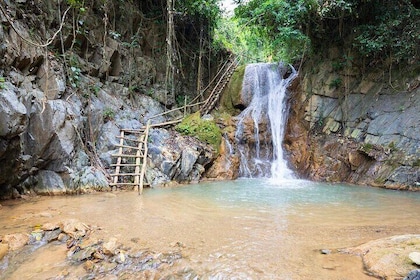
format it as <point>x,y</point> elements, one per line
<point>125,164</point>
<point>125,174</point>
<point>128,147</point>
<point>133,130</point>
<point>134,140</point>
<point>127,156</point>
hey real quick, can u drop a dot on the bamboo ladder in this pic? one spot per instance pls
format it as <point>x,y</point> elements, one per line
<point>125,151</point>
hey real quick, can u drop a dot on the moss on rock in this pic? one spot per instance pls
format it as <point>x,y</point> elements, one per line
<point>231,96</point>
<point>205,130</point>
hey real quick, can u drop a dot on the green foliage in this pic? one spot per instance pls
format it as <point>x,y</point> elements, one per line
<point>2,80</point>
<point>182,99</point>
<point>266,30</point>
<point>205,130</point>
<point>336,83</point>
<point>78,4</point>
<point>74,76</point>
<point>207,10</point>
<point>286,29</point>
<point>394,29</point>
<point>366,147</point>
<point>108,114</point>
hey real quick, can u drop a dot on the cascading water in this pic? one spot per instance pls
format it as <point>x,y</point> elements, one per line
<point>260,128</point>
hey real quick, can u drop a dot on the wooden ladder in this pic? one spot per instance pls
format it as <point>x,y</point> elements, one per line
<point>224,79</point>
<point>132,153</point>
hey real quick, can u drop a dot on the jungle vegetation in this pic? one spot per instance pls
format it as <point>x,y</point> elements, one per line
<point>378,30</point>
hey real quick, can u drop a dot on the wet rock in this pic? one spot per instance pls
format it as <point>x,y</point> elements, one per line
<point>49,183</point>
<point>109,248</point>
<point>52,235</point>
<point>4,249</point>
<point>90,178</point>
<point>120,257</point>
<point>413,275</point>
<point>108,266</point>
<point>74,228</point>
<point>62,237</point>
<point>415,257</point>
<point>89,242</point>
<point>36,236</point>
<point>188,158</point>
<point>16,241</point>
<point>83,254</point>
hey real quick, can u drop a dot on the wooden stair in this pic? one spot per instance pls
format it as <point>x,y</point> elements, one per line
<point>131,159</point>
<point>223,80</point>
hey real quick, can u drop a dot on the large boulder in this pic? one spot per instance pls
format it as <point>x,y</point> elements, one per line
<point>388,258</point>
<point>13,114</point>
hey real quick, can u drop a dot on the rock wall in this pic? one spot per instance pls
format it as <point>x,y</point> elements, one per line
<point>354,124</point>
<point>61,112</point>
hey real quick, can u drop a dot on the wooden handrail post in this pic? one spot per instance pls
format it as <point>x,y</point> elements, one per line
<point>143,167</point>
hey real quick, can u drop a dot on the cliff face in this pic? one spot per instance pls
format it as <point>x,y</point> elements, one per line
<point>62,105</point>
<point>357,125</point>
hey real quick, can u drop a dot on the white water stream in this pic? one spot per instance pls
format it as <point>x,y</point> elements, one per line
<point>262,155</point>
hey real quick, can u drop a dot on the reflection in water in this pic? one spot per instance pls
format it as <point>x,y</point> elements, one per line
<point>244,229</point>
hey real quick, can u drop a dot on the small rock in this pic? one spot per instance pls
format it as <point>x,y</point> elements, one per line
<point>62,237</point>
<point>106,266</point>
<point>83,254</point>
<point>16,240</point>
<point>89,265</point>
<point>97,255</point>
<point>178,244</point>
<point>415,257</point>
<point>325,251</point>
<point>36,235</point>
<point>74,227</point>
<point>413,275</point>
<point>52,235</point>
<point>89,242</point>
<point>4,249</point>
<point>120,258</point>
<point>50,226</point>
<point>110,247</point>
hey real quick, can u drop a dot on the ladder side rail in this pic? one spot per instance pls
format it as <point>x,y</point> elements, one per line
<point>137,168</point>
<point>143,167</point>
<point>120,151</point>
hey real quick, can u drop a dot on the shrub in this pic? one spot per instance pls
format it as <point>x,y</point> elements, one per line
<point>205,130</point>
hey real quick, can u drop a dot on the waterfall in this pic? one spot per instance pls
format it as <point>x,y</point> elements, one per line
<point>260,127</point>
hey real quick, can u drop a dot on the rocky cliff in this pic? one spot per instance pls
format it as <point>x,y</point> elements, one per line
<point>356,124</point>
<point>70,78</point>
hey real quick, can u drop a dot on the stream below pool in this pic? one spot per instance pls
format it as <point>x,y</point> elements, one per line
<point>243,229</point>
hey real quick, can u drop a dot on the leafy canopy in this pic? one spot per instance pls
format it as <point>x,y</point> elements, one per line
<point>287,29</point>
